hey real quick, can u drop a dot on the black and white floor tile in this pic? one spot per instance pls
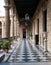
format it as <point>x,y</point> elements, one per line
<point>25,53</point>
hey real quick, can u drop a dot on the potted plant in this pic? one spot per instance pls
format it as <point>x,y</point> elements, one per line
<point>5,45</point>
<point>31,35</point>
<point>0,44</point>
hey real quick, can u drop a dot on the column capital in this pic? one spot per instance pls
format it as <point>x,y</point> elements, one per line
<point>7,7</point>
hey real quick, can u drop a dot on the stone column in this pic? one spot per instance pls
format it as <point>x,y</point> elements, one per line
<point>12,26</point>
<point>17,29</point>
<point>21,31</point>
<point>7,18</point>
<point>12,12</point>
<point>33,31</point>
<point>16,23</point>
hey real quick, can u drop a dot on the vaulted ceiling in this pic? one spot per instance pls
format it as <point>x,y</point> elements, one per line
<point>26,6</point>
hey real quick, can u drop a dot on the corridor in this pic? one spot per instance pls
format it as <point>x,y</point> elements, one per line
<point>25,32</point>
<point>25,52</point>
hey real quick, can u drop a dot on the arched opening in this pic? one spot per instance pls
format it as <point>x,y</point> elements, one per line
<point>37,35</point>
<point>24,33</point>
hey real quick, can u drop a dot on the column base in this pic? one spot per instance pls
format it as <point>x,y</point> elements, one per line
<point>46,52</point>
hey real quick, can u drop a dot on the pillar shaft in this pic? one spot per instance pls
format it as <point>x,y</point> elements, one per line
<point>17,28</point>
<point>7,18</point>
<point>13,27</point>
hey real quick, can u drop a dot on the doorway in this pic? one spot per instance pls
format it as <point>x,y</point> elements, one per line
<point>45,21</point>
<point>37,35</point>
<point>24,33</point>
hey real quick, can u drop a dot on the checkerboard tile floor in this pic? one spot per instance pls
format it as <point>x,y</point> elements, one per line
<point>25,53</point>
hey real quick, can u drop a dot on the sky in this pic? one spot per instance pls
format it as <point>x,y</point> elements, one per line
<point>2,10</point>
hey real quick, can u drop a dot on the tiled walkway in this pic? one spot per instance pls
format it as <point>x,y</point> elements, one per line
<point>26,53</point>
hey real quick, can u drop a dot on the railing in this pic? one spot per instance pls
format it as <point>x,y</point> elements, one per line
<point>10,38</point>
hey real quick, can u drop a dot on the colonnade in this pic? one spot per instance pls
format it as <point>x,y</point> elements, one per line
<point>11,20</point>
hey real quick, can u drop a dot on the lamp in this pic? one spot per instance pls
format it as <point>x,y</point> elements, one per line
<point>26,19</point>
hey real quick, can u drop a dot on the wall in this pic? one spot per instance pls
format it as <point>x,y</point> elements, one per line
<point>39,15</point>
<point>49,24</point>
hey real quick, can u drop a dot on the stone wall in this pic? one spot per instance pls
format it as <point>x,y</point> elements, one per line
<point>43,5</point>
<point>49,24</point>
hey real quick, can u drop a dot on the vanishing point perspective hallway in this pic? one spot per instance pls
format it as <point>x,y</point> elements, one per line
<point>25,32</point>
